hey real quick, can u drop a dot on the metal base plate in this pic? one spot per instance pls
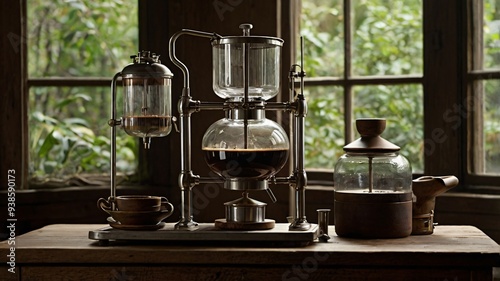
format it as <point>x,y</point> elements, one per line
<point>207,232</point>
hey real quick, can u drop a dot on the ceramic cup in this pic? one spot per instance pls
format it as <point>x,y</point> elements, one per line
<point>136,203</point>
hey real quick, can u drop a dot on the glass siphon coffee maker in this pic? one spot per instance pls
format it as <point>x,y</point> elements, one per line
<point>146,104</point>
<point>372,183</point>
<point>245,149</point>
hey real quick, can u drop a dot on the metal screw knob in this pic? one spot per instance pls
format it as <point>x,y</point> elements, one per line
<point>246,28</point>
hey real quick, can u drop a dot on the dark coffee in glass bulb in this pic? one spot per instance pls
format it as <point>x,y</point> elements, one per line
<point>246,163</point>
<point>147,126</point>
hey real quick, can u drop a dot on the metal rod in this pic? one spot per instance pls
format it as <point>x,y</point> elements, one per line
<point>299,162</point>
<point>113,122</point>
<point>174,58</point>
<point>299,145</point>
<point>278,106</point>
<point>281,180</point>
<point>370,174</point>
<point>291,179</point>
<point>186,176</point>
<point>206,180</point>
<point>187,180</point>
<point>246,78</point>
<point>302,65</point>
<point>210,106</point>
<point>185,124</point>
<point>300,221</point>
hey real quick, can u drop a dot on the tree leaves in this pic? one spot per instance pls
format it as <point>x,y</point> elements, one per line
<point>68,125</point>
<point>387,40</point>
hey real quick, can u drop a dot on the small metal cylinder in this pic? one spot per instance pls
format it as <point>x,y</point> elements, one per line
<point>245,214</point>
<point>245,210</point>
<point>323,218</point>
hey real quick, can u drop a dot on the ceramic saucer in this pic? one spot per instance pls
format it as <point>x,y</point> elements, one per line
<point>117,225</point>
<point>139,218</point>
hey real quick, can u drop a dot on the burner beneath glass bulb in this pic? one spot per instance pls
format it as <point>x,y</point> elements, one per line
<point>245,213</point>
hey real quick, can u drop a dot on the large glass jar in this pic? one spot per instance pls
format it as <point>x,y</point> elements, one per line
<point>373,196</point>
<point>390,173</point>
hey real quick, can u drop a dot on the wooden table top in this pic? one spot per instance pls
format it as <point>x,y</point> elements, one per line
<point>448,246</point>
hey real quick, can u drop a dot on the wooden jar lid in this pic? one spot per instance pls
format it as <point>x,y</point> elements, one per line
<point>371,142</point>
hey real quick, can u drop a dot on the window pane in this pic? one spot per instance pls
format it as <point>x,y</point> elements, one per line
<point>68,125</point>
<point>387,37</point>
<point>491,36</point>
<point>402,106</point>
<point>80,38</point>
<point>69,132</point>
<point>491,127</point>
<point>322,27</point>
<point>324,132</point>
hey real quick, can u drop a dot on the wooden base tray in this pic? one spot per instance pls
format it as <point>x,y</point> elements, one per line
<point>207,232</point>
<point>264,225</point>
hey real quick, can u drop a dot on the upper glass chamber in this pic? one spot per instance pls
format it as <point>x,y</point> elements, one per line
<point>262,72</point>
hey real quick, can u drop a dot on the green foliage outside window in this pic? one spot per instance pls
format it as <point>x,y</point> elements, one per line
<point>491,60</point>
<point>386,40</point>
<point>68,127</point>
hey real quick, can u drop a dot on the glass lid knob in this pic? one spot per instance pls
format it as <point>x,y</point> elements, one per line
<point>246,28</point>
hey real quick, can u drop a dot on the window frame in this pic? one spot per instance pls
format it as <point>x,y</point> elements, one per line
<point>324,177</point>
<point>13,108</point>
<point>473,49</point>
<point>91,80</point>
<point>446,82</point>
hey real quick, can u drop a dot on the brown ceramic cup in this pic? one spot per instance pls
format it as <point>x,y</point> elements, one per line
<point>140,203</point>
<point>136,203</point>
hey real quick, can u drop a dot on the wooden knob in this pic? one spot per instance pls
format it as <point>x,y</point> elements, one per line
<point>370,130</point>
<point>370,127</point>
